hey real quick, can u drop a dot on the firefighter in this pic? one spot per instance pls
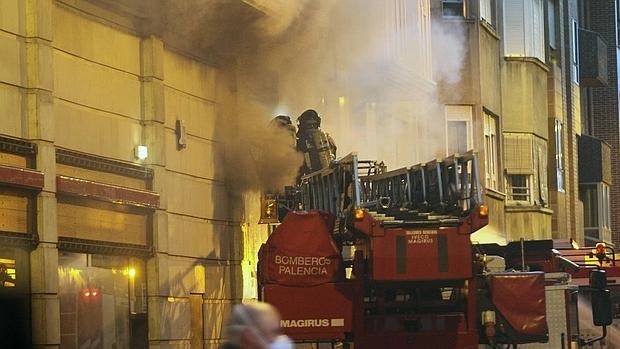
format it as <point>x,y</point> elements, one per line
<point>255,326</point>
<point>283,122</point>
<point>317,146</point>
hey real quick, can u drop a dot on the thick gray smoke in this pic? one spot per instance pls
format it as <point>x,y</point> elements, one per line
<point>280,15</point>
<point>259,156</point>
<point>448,51</point>
<point>370,70</point>
<point>368,67</point>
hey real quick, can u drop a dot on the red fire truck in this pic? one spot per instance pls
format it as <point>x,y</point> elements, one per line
<point>384,259</point>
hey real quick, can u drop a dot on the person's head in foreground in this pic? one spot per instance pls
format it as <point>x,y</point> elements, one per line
<point>255,326</point>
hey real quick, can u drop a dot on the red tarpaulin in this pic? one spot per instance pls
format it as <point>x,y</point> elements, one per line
<point>520,298</point>
<point>301,252</point>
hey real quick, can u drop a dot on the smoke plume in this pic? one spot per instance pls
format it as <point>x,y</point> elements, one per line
<point>374,70</point>
<point>259,156</point>
<point>448,51</point>
<point>370,70</point>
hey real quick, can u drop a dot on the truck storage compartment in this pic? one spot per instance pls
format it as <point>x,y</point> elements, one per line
<point>421,254</point>
<point>322,312</point>
<point>301,252</point>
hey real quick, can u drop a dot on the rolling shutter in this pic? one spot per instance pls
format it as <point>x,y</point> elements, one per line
<point>514,35</point>
<point>524,29</point>
<point>518,154</point>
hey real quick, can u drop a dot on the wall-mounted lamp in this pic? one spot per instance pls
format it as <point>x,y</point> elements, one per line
<point>180,133</point>
<point>141,152</point>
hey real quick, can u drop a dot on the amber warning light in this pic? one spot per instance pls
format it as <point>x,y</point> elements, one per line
<point>359,214</point>
<point>600,252</point>
<point>600,248</point>
<point>483,210</point>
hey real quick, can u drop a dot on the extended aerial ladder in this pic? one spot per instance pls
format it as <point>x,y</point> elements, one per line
<point>436,193</point>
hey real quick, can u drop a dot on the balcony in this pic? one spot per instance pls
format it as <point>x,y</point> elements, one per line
<point>592,59</point>
<point>594,160</point>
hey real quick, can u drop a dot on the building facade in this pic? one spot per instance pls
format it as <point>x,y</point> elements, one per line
<point>500,77</point>
<point>598,37</point>
<point>534,79</point>
<point>117,226</point>
<point>120,222</point>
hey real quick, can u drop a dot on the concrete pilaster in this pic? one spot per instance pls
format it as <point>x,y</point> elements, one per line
<point>45,303</point>
<point>38,121</point>
<point>153,104</point>
<point>167,328</point>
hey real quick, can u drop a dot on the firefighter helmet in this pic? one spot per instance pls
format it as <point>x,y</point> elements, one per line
<point>309,119</point>
<point>282,120</point>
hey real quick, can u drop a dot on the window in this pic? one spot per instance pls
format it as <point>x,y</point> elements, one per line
<point>574,44</point>
<point>408,22</point>
<point>525,165</point>
<point>559,154</point>
<point>399,25</point>
<point>491,150</point>
<point>589,196</point>
<point>458,129</point>
<point>552,15</point>
<point>618,23</point>
<point>453,8</point>
<point>604,206</point>
<point>541,172</point>
<point>519,188</point>
<point>102,300</point>
<point>596,212</point>
<point>7,273</point>
<point>488,12</point>
<point>457,137</point>
<point>422,34</point>
<point>524,29</point>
